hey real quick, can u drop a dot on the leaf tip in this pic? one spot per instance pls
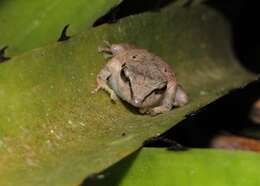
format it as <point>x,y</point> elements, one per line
<point>63,36</point>
<point>3,58</point>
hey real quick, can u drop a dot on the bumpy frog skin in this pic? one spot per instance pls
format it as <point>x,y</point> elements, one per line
<point>140,78</point>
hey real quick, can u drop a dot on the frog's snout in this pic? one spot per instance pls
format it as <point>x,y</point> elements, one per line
<point>138,101</point>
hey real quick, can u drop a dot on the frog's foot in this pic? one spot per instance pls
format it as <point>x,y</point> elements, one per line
<point>143,110</point>
<point>154,111</point>
<point>106,48</point>
<point>113,96</point>
<point>158,110</point>
<point>107,43</point>
<point>95,90</point>
<point>107,53</point>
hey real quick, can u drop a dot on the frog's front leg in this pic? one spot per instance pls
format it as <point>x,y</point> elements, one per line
<point>144,110</point>
<point>167,102</point>
<point>102,83</point>
<point>158,110</point>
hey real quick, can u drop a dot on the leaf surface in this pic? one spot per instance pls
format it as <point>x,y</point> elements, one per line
<point>31,24</point>
<point>194,167</point>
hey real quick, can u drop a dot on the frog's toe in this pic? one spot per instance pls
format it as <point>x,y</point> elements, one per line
<point>102,49</point>
<point>113,97</point>
<point>95,90</point>
<point>143,110</point>
<point>153,112</point>
<point>159,110</point>
<point>149,111</point>
<point>107,55</point>
<point>107,43</point>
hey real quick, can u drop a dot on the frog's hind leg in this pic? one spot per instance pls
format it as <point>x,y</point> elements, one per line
<point>106,50</point>
<point>181,97</point>
<point>177,94</point>
<point>102,79</point>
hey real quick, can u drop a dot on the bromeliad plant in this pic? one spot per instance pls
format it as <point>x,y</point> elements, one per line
<point>52,130</point>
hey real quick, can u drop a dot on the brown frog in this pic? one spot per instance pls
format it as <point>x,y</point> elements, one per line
<point>140,78</point>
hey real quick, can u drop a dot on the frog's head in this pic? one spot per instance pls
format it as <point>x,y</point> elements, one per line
<point>145,90</point>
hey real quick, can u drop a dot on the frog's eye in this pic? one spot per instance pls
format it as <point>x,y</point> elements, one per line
<point>160,90</point>
<point>162,86</point>
<point>123,75</point>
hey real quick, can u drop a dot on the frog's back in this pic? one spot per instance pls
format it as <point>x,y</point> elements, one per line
<point>146,63</point>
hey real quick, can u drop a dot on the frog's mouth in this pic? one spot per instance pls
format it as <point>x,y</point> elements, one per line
<point>148,98</point>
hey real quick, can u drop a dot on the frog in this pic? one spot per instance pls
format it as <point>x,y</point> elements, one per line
<point>140,78</point>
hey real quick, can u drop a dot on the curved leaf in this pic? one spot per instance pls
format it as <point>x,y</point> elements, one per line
<point>54,132</point>
<point>30,24</point>
<point>158,166</point>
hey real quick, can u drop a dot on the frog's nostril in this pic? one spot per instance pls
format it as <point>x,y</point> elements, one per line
<point>137,101</point>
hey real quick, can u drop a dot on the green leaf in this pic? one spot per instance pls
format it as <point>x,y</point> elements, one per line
<point>54,132</point>
<point>196,167</point>
<point>30,24</point>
